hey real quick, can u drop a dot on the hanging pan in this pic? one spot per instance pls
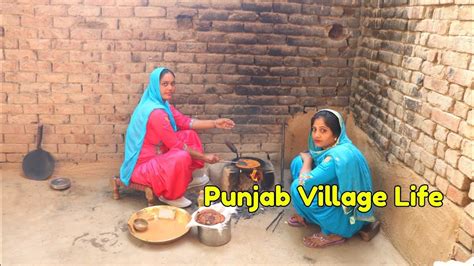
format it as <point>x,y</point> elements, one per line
<point>38,164</point>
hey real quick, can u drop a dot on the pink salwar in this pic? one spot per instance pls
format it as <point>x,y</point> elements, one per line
<point>163,163</point>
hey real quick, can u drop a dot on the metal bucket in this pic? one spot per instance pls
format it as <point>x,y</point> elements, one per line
<point>212,237</point>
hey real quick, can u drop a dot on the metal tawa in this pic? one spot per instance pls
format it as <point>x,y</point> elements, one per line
<point>60,183</point>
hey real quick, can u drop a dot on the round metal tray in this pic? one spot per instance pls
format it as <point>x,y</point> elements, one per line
<point>160,230</point>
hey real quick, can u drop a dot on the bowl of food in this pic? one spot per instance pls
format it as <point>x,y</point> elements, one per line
<point>210,233</point>
<point>140,224</point>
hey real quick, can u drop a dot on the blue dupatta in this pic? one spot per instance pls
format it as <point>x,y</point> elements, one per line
<point>352,170</point>
<point>136,130</point>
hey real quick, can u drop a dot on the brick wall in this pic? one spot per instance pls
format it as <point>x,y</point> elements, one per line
<point>412,94</point>
<point>80,68</point>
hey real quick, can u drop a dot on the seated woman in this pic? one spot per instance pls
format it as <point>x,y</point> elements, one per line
<point>161,147</point>
<point>332,160</point>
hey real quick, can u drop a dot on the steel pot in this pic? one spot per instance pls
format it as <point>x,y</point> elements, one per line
<point>212,237</point>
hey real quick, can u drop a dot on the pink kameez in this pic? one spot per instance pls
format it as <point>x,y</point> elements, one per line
<point>163,163</point>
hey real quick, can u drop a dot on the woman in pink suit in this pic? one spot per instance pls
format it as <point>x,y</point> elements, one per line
<point>161,147</point>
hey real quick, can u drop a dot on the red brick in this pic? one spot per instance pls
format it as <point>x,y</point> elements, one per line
<point>22,119</point>
<point>457,196</point>
<point>108,139</point>
<point>51,10</point>
<point>122,57</point>
<point>134,23</point>
<point>69,129</point>
<point>85,56</point>
<point>85,119</point>
<point>15,32</point>
<point>17,129</point>
<point>114,99</point>
<point>446,119</point>
<point>60,89</point>
<point>83,157</point>
<point>68,67</point>
<point>13,148</point>
<point>66,44</point>
<point>112,157</point>
<point>38,109</point>
<point>99,67</point>
<point>14,158</point>
<point>36,21</point>
<point>102,148</point>
<point>9,66</point>
<point>10,87</point>
<point>99,109</point>
<point>51,77</point>
<point>119,78</point>
<point>83,98</point>
<point>117,11</point>
<point>22,98</point>
<point>83,78</point>
<point>52,33</point>
<point>85,34</point>
<point>66,22</point>
<point>114,119</point>
<point>19,138</point>
<point>99,2</point>
<point>97,88</point>
<point>20,77</point>
<point>34,44</point>
<point>84,11</point>
<point>457,178</point>
<point>99,129</point>
<point>98,45</point>
<point>35,66</point>
<point>460,76</point>
<point>465,165</point>
<point>72,148</point>
<point>53,56</point>
<point>150,12</point>
<point>54,119</point>
<point>125,109</point>
<point>442,184</point>
<point>79,139</point>
<point>10,19</point>
<point>117,34</point>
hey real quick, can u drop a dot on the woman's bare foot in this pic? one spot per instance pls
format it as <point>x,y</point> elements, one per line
<point>320,240</point>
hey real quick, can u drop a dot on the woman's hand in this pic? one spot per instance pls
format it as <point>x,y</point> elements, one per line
<point>306,157</point>
<point>211,158</point>
<point>224,123</point>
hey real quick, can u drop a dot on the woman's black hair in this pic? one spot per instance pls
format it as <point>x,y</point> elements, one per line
<point>330,120</point>
<point>166,71</point>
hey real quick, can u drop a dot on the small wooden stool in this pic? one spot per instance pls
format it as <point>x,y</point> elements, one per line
<point>369,231</point>
<point>117,183</point>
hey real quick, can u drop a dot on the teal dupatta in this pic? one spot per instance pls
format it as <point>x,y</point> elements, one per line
<point>352,170</point>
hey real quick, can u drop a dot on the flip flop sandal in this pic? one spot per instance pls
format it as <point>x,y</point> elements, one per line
<point>323,241</point>
<point>293,221</point>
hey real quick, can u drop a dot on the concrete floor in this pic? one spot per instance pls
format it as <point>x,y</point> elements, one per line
<point>85,225</point>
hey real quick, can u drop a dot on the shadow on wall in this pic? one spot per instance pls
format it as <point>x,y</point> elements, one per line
<point>421,234</point>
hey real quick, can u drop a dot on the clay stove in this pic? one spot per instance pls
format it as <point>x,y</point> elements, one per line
<point>237,179</point>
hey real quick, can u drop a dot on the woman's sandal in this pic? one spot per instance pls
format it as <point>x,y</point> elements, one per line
<point>296,221</point>
<point>319,240</point>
